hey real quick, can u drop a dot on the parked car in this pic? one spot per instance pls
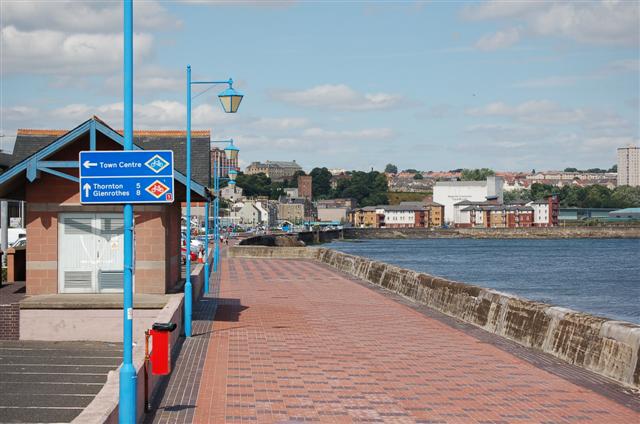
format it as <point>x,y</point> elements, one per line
<point>21,242</point>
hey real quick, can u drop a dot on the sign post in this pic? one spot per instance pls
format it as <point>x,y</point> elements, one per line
<point>129,176</point>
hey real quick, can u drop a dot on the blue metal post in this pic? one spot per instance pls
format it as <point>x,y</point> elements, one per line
<point>127,412</point>
<point>206,246</point>
<point>188,288</point>
<point>216,219</point>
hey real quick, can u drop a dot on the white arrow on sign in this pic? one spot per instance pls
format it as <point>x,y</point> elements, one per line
<point>88,164</point>
<point>86,187</point>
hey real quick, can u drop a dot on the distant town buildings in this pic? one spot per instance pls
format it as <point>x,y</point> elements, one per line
<point>629,166</point>
<point>448,193</point>
<point>276,170</point>
<point>334,210</point>
<point>406,182</point>
<point>232,193</point>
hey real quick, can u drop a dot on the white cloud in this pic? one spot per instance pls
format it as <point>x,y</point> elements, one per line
<point>500,9</point>
<point>84,17</point>
<point>66,38</point>
<point>498,40</point>
<point>55,52</point>
<point>149,79</point>
<point>338,97</point>
<point>533,111</point>
<point>371,134</point>
<point>280,123</point>
<point>157,114</point>
<point>593,22</point>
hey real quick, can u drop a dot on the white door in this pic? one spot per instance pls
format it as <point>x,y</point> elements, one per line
<point>90,253</point>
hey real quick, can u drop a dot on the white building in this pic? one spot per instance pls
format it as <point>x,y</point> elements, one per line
<point>253,213</point>
<point>231,192</point>
<point>448,193</point>
<point>629,166</point>
<point>404,216</point>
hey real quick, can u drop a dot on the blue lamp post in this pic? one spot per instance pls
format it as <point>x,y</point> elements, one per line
<point>231,153</point>
<point>128,378</point>
<point>230,100</point>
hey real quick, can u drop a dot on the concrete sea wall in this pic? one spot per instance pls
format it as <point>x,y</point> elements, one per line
<point>607,347</point>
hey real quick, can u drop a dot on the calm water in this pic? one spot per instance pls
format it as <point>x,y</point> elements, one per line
<point>592,275</point>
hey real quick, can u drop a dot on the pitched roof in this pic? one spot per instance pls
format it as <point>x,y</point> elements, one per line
<point>29,141</point>
<point>40,144</point>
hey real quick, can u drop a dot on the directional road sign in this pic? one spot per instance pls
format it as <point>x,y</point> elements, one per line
<point>131,176</point>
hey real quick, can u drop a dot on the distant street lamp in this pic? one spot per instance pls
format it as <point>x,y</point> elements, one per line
<point>230,100</point>
<point>231,153</point>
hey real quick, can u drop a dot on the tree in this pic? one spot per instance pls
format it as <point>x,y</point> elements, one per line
<point>254,185</point>
<point>411,171</point>
<point>292,182</point>
<point>517,194</point>
<point>391,169</point>
<point>321,183</point>
<point>570,169</point>
<point>368,188</point>
<point>614,168</point>
<point>476,174</point>
<point>418,176</point>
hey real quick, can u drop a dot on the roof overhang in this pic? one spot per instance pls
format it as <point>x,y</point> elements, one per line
<point>11,183</point>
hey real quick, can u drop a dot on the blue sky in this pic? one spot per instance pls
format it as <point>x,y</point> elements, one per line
<point>425,85</point>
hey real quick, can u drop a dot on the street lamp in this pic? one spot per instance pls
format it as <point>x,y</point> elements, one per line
<point>231,153</point>
<point>230,100</point>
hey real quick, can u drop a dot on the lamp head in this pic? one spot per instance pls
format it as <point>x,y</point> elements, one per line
<point>232,175</point>
<point>231,152</point>
<point>230,98</point>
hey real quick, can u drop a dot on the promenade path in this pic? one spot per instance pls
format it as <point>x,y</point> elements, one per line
<point>296,341</point>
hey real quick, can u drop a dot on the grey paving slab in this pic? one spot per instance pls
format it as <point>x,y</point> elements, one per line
<point>39,415</point>
<point>52,381</point>
<point>17,377</point>
<point>50,388</point>
<point>43,401</point>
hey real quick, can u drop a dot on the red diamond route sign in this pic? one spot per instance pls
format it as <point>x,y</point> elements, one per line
<point>157,189</point>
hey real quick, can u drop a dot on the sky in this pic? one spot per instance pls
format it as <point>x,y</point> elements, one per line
<point>435,85</point>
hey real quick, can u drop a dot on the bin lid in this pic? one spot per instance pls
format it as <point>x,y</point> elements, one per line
<point>164,326</point>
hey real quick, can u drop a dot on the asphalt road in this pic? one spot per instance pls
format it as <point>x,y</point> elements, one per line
<point>52,381</point>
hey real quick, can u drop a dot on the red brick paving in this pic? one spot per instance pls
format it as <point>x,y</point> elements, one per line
<point>295,341</point>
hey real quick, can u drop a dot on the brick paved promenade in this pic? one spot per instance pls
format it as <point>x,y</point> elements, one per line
<point>296,341</point>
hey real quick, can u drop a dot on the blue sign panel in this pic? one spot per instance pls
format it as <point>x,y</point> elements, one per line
<point>138,176</point>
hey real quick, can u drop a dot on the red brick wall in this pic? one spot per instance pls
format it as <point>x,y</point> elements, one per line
<point>10,321</point>
<point>157,231</point>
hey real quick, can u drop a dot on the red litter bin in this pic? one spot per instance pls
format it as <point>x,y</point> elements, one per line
<point>161,348</point>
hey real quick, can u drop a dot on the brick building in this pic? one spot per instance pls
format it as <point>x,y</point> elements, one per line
<point>75,248</point>
<point>305,186</point>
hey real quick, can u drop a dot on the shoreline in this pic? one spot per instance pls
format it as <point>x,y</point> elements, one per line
<point>632,232</point>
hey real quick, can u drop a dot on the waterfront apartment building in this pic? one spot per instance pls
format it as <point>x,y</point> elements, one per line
<point>448,193</point>
<point>276,170</point>
<point>436,213</point>
<point>546,212</point>
<point>629,166</point>
<point>365,217</point>
<point>405,216</point>
<point>494,216</point>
